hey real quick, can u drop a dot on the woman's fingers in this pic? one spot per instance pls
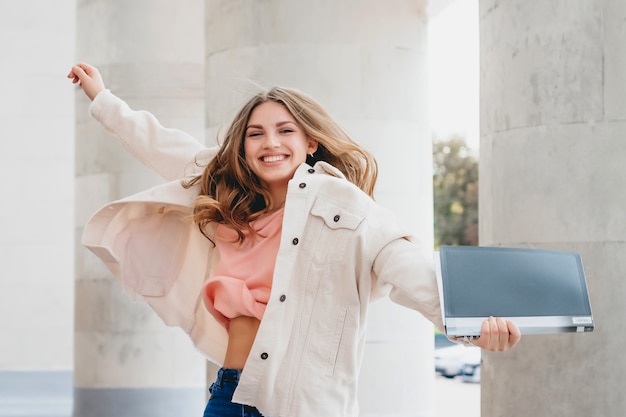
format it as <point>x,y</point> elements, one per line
<point>498,335</point>
<point>81,71</point>
<point>515,335</point>
<point>503,335</point>
<point>85,68</point>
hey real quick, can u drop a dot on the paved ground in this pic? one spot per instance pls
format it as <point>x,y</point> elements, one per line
<point>36,394</point>
<point>453,397</point>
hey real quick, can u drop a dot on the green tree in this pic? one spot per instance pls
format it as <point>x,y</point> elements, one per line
<point>455,184</point>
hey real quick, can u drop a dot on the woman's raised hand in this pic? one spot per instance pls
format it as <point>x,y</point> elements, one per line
<point>88,77</point>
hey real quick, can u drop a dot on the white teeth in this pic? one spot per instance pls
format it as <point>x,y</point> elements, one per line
<point>273,158</point>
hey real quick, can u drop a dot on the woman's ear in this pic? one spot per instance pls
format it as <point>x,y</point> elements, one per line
<point>312,146</point>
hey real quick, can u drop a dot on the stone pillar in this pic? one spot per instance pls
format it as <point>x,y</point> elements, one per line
<point>366,63</point>
<point>36,165</point>
<point>553,121</point>
<point>127,362</point>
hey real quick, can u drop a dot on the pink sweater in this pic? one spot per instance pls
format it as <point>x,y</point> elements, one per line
<point>242,280</point>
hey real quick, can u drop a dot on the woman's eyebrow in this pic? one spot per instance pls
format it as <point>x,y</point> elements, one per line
<point>277,124</point>
<point>285,122</point>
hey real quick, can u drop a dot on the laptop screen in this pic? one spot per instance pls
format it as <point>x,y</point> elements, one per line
<point>507,282</point>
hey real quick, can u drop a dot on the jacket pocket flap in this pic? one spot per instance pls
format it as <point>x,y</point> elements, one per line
<point>335,216</point>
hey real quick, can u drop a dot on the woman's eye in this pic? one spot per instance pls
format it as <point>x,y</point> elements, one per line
<point>252,134</point>
<point>287,131</point>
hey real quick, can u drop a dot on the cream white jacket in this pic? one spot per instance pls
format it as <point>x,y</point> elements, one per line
<point>339,251</point>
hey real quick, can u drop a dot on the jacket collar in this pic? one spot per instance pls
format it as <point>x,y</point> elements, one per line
<point>320,167</point>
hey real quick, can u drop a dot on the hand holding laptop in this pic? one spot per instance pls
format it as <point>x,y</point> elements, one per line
<point>497,335</point>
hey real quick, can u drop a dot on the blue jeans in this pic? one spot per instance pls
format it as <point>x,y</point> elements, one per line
<point>220,403</point>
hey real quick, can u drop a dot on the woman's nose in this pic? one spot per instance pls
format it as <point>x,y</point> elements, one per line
<point>271,141</point>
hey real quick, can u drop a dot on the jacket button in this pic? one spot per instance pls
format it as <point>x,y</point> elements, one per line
<point>302,185</point>
<point>311,171</point>
<point>264,355</point>
<point>336,218</point>
<point>283,298</point>
<point>295,241</point>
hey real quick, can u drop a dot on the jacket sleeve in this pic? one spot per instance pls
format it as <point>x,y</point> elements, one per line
<point>404,266</point>
<point>171,153</point>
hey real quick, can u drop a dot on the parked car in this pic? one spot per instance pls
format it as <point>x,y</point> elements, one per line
<point>471,372</point>
<point>450,361</point>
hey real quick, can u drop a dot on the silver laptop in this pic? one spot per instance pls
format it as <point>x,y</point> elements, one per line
<point>541,291</point>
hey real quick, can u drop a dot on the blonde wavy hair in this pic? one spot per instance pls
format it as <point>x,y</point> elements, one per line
<point>230,193</point>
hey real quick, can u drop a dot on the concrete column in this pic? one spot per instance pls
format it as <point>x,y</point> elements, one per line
<point>366,62</point>
<point>37,210</point>
<point>36,165</point>
<point>553,121</point>
<point>127,362</point>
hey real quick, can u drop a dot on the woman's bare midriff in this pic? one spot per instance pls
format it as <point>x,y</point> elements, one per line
<point>241,335</point>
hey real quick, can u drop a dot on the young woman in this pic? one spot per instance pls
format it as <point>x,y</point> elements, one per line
<point>266,250</point>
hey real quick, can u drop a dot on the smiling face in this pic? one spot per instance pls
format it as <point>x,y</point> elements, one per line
<point>275,145</point>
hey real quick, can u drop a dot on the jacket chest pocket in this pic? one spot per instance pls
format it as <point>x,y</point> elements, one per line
<point>337,226</point>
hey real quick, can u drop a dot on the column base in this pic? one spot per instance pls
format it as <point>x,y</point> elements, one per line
<point>138,402</point>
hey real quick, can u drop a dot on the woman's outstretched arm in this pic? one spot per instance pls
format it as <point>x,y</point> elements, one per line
<point>172,153</point>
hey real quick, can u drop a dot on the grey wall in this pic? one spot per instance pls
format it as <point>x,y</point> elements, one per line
<point>552,173</point>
